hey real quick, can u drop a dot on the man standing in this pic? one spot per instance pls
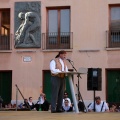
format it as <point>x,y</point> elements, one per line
<point>58,65</point>
<point>100,106</point>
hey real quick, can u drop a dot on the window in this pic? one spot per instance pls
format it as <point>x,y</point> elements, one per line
<point>114,34</point>
<point>4,29</point>
<point>58,28</point>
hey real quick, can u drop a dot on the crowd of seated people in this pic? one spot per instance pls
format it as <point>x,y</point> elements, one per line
<point>67,106</point>
<point>43,105</point>
<point>9,106</point>
<point>102,106</point>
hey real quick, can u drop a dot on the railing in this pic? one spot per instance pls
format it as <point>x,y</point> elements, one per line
<point>113,39</point>
<point>5,43</point>
<point>55,40</point>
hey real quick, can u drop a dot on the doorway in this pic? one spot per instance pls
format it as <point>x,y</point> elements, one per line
<point>113,86</point>
<point>6,86</point>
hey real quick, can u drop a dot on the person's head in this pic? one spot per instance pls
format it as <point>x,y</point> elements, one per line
<point>114,106</point>
<point>61,54</point>
<point>21,15</point>
<point>25,100</point>
<point>9,105</point>
<point>30,99</point>
<point>65,94</point>
<point>98,100</point>
<point>66,102</point>
<point>43,96</point>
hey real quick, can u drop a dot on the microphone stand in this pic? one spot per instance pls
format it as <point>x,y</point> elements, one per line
<point>72,65</point>
<point>79,94</point>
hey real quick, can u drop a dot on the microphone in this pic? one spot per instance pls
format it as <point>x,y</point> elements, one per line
<point>69,60</point>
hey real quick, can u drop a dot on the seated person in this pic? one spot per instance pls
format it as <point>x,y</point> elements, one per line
<point>100,106</point>
<point>26,104</point>
<point>9,105</point>
<point>67,107</point>
<point>20,106</point>
<point>80,105</point>
<point>113,108</point>
<point>1,101</point>
<point>42,104</point>
<point>30,103</point>
<point>66,97</point>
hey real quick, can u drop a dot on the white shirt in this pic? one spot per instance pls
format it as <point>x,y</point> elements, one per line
<point>66,108</point>
<point>40,100</point>
<point>30,103</point>
<point>98,107</point>
<point>53,67</point>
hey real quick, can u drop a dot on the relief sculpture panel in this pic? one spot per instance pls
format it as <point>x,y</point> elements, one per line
<point>27,25</point>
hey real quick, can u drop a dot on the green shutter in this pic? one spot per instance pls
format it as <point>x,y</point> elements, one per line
<point>6,86</point>
<point>113,86</point>
<point>47,85</point>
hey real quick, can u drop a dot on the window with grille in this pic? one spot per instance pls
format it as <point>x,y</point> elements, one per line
<point>114,34</point>
<point>4,29</point>
<point>58,28</point>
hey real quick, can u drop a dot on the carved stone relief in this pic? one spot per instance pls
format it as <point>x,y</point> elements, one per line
<point>27,24</point>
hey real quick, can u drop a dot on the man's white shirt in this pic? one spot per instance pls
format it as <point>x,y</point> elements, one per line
<point>53,67</point>
<point>98,107</point>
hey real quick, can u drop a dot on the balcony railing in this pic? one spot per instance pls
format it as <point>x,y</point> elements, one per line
<point>55,40</point>
<point>113,39</point>
<point>5,42</point>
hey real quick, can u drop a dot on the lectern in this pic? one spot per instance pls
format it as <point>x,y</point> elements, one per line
<point>69,74</point>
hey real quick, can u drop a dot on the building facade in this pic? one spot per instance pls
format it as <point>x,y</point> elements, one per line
<point>33,32</point>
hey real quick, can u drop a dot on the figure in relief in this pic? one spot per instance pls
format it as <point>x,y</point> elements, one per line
<point>30,23</point>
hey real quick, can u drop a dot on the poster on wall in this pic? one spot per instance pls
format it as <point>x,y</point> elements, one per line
<point>27,26</point>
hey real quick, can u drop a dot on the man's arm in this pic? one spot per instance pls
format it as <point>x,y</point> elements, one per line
<point>53,67</point>
<point>90,108</point>
<point>106,107</point>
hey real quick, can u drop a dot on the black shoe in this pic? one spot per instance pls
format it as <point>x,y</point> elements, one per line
<point>59,111</point>
<point>53,111</point>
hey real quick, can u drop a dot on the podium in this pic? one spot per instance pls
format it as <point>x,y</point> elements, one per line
<point>69,74</point>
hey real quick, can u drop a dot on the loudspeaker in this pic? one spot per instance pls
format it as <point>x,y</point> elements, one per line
<point>94,79</point>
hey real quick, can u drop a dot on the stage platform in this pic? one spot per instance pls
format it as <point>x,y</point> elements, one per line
<point>39,115</point>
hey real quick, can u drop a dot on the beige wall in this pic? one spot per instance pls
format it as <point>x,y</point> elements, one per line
<point>89,22</point>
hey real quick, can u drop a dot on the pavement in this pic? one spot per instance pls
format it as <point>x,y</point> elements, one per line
<point>47,115</point>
